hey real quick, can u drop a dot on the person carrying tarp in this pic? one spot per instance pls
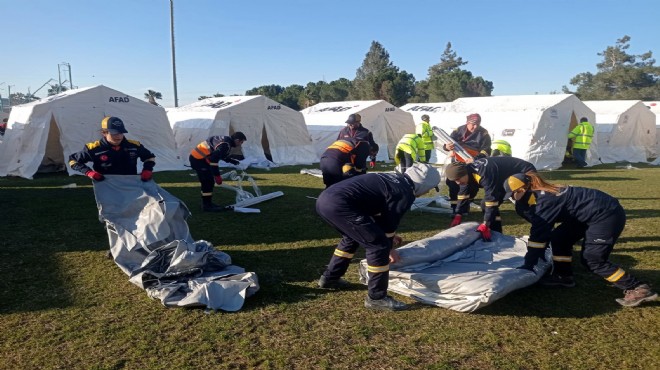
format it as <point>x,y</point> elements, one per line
<point>582,213</point>
<point>367,210</point>
<point>113,154</point>
<point>475,140</point>
<point>343,159</point>
<point>581,135</point>
<point>355,130</point>
<point>500,148</point>
<point>204,160</point>
<point>488,173</point>
<point>410,149</point>
<point>424,130</point>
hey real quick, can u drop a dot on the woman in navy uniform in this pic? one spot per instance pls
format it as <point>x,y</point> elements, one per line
<point>488,173</point>
<point>366,210</point>
<point>583,213</point>
<point>113,154</point>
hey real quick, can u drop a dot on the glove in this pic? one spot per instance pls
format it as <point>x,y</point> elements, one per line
<point>218,179</point>
<point>485,231</point>
<point>372,164</point>
<point>396,241</point>
<point>146,175</point>
<point>94,175</point>
<point>455,221</point>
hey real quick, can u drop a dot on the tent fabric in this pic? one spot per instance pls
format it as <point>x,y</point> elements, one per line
<point>386,122</point>
<point>457,270</point>
<point>654,106</point>
<point>42,134</point>
<point>151,243</point>
<point>626,130</point>
<point>273,131</point>
<point>536,126</point>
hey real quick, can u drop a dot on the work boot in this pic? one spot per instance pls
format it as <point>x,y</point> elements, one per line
<point>210,207</point>
<point>633,297</point>
<point>556,281</point>
<point>326,283</point>
<point>387,304</point>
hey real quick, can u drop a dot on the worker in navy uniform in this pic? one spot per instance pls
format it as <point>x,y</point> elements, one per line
<point>582,213</point>
<point>113,154</point>
<point>204,160</point>
<point>366,210</point>
<point>475,140</point>
<point>488,173</point>
<point>343,159</point>
<point>355,130</point>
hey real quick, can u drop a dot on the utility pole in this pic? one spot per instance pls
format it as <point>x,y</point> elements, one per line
<point>59,75</point>
<point>176,98</point>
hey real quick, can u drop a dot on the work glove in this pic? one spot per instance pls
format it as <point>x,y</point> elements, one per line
<point>94,175</point>
<point>218,179</point>
<point>456,220</point>
<point>485,231</point>
<point>372,164</point>
<point>146,175</point>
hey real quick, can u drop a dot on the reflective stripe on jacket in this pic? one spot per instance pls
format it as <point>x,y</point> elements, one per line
<point>582,135</point>
<point>424,130</point>
<point>413,145</point>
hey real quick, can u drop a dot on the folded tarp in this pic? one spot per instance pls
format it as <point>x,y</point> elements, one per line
<point>150,241</point>
<point>455,269</point>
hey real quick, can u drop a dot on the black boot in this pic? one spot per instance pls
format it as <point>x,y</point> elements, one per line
<point>208,206</point>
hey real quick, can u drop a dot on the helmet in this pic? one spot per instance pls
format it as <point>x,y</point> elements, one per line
<point>426,118</point>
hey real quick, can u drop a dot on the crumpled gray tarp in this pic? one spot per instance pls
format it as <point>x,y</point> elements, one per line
<point>455,269</point>
<point>150,241</point>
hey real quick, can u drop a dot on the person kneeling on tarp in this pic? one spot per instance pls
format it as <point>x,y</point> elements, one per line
<point>583,213</point>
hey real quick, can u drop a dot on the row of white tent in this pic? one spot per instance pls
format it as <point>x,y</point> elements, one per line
<point>41,135</point>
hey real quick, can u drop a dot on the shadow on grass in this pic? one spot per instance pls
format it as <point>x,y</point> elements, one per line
<point>592,296</point>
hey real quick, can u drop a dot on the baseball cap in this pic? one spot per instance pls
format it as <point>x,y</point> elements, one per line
<point>353,118</point>
<point>114,125</point>
<point>514,183</point>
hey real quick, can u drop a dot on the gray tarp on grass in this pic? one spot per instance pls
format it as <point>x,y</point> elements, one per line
<point>150,241</point>
<point>455,269</point>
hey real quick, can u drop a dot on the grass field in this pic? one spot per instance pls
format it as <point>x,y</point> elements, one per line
<point>63,305</point>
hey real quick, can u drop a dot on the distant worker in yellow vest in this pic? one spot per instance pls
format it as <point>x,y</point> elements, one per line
<point>424,130</point>
<point>500,148</point>
<point>581,135</point>
<point>410,149</point>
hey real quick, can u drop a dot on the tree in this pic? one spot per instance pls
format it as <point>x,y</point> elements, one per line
<point>216,95</point>
<point>378,78</point>
<point>447,81</point>
<point>322,91</point>
<point>56,89</point>
<point>271,91</point>
<point>620,76</point>
<point>290,96</point>
<point>152,95</point>
<point>449,61</point>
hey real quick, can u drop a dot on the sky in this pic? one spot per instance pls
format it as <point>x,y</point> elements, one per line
<point>228,47</point>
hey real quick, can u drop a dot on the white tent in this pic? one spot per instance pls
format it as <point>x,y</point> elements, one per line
<point>42,134</point>
<point>386,122</point>
<point>625,131</point>
<point>434,111</point>
<point>536,126</point>
<point>654,106</point>
<point>273,131</point>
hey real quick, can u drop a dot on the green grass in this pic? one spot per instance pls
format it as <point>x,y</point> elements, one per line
<point>63,305</point>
